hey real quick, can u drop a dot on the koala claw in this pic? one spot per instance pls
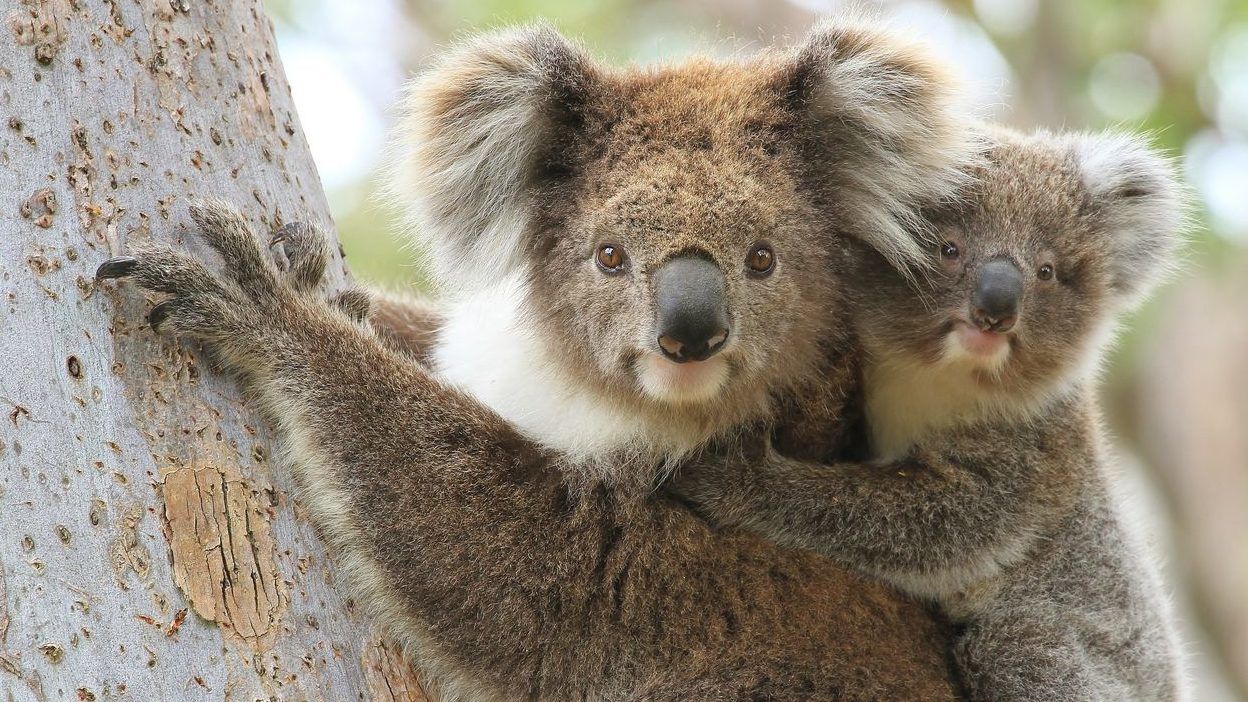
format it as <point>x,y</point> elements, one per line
<point>307,252</point>
<point>246,308</point>
<point>116,267</point>
<point>244,298</point>
<point>159,314</point>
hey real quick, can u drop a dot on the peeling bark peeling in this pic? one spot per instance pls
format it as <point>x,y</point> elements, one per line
<point>149,545</point>
<point>223,552</point>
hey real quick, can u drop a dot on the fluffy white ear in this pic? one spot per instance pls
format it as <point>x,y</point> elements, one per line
<point>1135,195</point>
<point>896,131</point>
<point>474,130</point>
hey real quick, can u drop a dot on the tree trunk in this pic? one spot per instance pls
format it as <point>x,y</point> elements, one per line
<point>150,547</point>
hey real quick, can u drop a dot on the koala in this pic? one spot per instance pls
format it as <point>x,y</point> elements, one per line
<point>985,487</point>
<point>632,262</point>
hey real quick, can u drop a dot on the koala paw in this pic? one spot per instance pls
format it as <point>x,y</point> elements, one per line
<point>244,311</point>
<point>354,302</point>
<point>700,483</point>
<point>717,482</point>
<point>307,253</point>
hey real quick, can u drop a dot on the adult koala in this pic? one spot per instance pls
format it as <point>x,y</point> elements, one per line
<point>636,262</point>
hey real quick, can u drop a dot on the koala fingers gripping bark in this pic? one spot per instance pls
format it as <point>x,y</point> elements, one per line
<point>250,314</point>
<point>307,252</point>
<point>410,324</point>
<point>202,304</point>
<point>306,249</point>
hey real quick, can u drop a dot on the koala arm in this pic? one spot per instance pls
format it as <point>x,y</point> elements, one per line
<point>504,575</point>
<point>407,322</point>
<point>953,510</point>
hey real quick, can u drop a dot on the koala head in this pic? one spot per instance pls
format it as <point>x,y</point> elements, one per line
<point>1059,235</point>
<point>667,225</point>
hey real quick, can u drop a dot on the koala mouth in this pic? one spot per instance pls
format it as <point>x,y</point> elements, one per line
<point>681,383</point>
<point>980,347</point>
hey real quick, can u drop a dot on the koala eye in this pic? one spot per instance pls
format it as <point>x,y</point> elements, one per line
<point>610,258</point>
<point>949,251</point>
<point>761,260</point>
<point>1045,272</point>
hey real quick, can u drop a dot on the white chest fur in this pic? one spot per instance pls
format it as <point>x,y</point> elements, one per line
<point>908,399</point>
<point>488,348</point>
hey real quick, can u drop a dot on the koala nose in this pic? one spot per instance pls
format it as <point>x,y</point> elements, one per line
<point>994,304</point>
<point>692,310</point>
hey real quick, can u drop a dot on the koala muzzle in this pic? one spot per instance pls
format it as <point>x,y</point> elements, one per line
<point>998,293</point>
<point>692,309</point>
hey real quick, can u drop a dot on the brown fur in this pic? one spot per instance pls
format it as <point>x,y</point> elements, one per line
<point>507,582</point>
<point>408,322</point>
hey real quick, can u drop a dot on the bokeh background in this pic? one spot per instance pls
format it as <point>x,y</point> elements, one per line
<point>1176,392</point>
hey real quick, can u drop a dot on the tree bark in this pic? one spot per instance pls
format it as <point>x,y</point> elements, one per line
<point>150,546</point>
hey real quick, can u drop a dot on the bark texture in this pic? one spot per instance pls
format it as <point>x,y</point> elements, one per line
<point>149,544</point>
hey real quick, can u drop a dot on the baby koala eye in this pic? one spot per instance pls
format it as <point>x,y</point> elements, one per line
<point>949,251</point>
<point>761,260</point>
<point>1045,272</point>
<point>610,258</point>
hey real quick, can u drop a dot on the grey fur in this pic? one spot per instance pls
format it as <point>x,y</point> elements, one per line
<point>999,505</point>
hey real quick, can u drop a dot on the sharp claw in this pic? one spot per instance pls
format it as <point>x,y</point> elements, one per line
<point>117,267</point>
<point>283,232</point>
<point>159,314</point>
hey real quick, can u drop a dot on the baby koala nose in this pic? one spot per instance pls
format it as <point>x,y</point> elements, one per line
<point>998,292</point>
<point>692,311</point>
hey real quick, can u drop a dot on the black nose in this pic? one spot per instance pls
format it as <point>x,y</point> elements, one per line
<point>998,292</point>
<point>692,310</point>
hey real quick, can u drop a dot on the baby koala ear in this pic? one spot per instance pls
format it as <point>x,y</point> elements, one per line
<point>893,132</point>
<point>1138,202</point>
<point>476,130</point>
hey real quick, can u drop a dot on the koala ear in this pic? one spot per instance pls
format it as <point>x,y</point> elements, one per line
<point>892,133</point>
<point>475,132</point>
<point>1136,198</point>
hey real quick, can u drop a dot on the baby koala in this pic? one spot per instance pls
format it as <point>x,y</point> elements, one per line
<point>987,490</point>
